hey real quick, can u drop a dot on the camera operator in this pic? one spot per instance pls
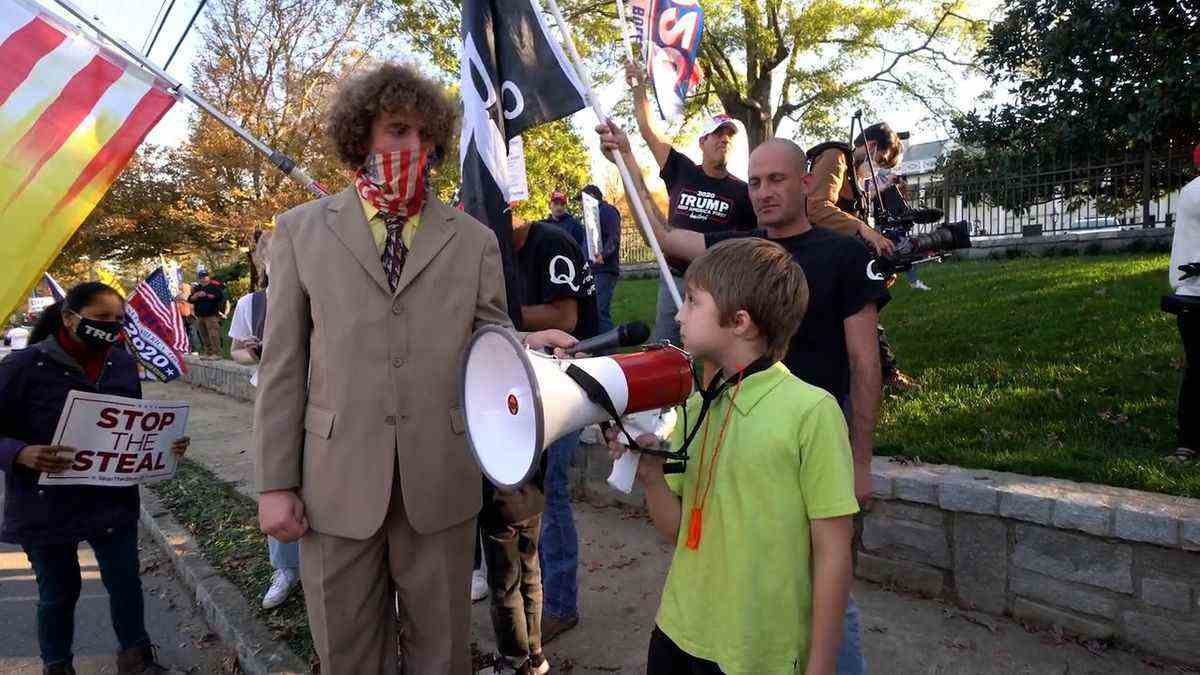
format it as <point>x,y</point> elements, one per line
<point>839,202</point>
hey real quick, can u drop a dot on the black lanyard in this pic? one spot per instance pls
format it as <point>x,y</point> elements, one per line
<point>718,386</point>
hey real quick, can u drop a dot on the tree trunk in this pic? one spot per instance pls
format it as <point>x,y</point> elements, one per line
<point>754,111</point>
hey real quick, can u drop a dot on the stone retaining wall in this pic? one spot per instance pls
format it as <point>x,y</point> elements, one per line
<point>226,377</point>
<point>1096,561</point>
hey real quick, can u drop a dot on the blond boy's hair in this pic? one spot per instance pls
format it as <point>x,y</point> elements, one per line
<point>760,277</point>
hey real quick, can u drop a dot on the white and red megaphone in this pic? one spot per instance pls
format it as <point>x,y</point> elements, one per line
<point>519,401</point>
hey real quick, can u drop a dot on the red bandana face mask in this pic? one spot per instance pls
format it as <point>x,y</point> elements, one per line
<point>394,181</point>
<point>1196,156</point>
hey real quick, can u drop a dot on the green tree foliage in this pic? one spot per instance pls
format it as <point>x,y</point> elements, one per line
<point>768,61</point>
<point>1102,91</point>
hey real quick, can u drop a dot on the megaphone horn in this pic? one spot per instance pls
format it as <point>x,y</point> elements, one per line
<point>519,401</point>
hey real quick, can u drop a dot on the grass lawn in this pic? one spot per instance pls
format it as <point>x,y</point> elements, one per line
<point>1047,366</point>
<point>225,525</point>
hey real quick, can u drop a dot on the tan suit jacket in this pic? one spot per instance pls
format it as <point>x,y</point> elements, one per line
<point>354,377</point>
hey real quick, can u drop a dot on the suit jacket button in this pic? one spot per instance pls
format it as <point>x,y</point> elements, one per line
<point>397,362</point>
<point>396,309</point>
<point>390,420</point>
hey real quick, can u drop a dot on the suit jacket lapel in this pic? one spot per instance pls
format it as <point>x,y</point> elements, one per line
<point>349,224</point>
<point>431,237</point>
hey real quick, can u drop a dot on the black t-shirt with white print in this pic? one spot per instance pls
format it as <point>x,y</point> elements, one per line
<point>552,267</point>
<point>841,281</point>
<point>704,204</point>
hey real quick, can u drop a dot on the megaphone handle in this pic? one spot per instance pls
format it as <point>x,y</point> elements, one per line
<point>674,467</point>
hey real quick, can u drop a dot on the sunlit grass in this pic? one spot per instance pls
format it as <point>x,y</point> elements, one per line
<point>1047,366</point>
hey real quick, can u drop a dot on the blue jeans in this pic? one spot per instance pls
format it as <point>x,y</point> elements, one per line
<point>284,556</point>
<point>665,327</point>
<point>606,283</point>
<point>559,546</point>
<point>56,567</point>
<point>850,659</point>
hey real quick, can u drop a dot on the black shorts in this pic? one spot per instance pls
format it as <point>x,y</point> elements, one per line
<point>666,658</point>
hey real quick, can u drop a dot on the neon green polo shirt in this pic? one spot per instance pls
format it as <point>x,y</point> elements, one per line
<point>744,598</point>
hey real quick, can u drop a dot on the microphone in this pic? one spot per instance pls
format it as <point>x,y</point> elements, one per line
<point>625,335</point>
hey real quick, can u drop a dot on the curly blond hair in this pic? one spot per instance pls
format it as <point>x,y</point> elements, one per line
<point>391,88</point>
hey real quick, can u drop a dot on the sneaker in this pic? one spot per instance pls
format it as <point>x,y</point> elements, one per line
<point>920,285</point>
<point>282,584</point>
<point>538,664</point>
<point>479,586</point>
<point>553,626</point>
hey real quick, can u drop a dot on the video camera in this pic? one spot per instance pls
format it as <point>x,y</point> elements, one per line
<point>897,218</point>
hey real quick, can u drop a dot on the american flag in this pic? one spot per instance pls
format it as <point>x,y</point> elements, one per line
<point>156,310</point>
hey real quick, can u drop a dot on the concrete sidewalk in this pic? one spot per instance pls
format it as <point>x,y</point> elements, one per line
<point>623,564</point>
<point>183,638</point>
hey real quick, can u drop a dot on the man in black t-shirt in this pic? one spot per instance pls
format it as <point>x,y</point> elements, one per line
<point>559,288</point>
<point>704,197</point>
<point>559,292</point>
<point>836,346</point>
<point>209,302</point>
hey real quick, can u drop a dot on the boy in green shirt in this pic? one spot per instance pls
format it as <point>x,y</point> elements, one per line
<point>761,516</point>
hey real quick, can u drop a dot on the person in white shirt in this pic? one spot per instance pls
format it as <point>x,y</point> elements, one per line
<point>1184,276</point>
<point>245,330</point>
<point>17,338</point>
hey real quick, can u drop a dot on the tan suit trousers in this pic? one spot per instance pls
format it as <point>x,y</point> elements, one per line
<point>348,587</point>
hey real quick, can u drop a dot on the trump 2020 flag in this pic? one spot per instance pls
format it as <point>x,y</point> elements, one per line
<point>155,328</point>
<point>72,113</point>
<point>670,32</point>
<point>514,77</point>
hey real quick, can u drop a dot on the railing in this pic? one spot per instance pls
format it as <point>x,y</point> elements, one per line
<point>1037,199</point>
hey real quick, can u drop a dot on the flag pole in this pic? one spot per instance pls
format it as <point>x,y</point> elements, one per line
<point>281,161</point>
<point>625,30</point>
<point>638,208</point>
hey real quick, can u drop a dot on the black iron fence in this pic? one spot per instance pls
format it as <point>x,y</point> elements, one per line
<point>1038,196</point>
<point>1049,197</point>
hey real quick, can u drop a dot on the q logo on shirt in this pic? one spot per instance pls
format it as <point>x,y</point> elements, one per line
<point>566,278</point>
<point>871,273</point>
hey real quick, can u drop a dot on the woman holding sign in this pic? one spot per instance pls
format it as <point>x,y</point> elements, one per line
<point>73,347</point>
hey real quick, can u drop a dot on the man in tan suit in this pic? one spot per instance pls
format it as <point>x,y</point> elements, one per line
<point>359,429</point>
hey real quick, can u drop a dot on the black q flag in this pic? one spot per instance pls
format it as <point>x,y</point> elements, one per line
<point>514,77</point>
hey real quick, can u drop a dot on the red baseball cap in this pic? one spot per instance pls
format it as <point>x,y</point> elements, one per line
<point>558,196</point>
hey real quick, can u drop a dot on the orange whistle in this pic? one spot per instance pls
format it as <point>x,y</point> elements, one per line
<point>695,523</point>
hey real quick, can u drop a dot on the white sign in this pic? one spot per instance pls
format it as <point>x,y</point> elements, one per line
<point>591,225</point>
<point>118,441</point>
<point>39,305</point>
<point>518,182</point>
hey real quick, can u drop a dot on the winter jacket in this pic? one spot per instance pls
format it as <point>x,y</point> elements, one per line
<point>34,384</point>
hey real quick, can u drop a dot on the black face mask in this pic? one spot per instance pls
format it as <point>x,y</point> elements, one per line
<point>97,334</point>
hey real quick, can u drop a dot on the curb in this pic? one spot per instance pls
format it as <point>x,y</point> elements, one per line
<point>224,606</point>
